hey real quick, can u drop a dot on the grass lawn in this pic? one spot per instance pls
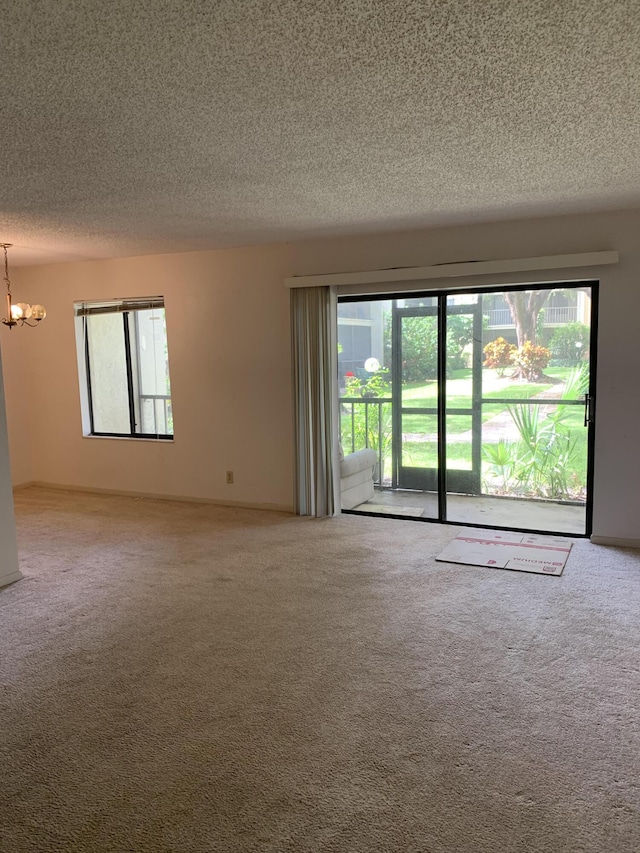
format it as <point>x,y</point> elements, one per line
<point>494,387</point>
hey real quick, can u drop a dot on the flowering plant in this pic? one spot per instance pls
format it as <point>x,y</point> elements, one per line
<point>499,354</point>
<point>531,360</point>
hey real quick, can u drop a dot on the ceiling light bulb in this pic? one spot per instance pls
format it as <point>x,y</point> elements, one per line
<point>38,312</point>
<point>19,313</point>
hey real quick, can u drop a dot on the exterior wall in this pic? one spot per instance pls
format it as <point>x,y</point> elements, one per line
<point>369,342</point>
<point>229,353</point>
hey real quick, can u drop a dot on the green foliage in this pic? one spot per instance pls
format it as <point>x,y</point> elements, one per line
<point>546,452</point>
<point>562,362</point>
<point>531,359</point>
<point>419,348</point>
<point>352,385</point>
<point>502,461</point>
<point>367,422</point>
<point>543,462</point>
<point>577,383</point>
<point>499,354</point>
<point>563,342</point>
<point>377,384</point>
<point>420,345</point>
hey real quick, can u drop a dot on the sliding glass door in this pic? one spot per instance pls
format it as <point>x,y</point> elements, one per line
<point>536,407</point>
<point>479,404</point>
<point>415,391</point>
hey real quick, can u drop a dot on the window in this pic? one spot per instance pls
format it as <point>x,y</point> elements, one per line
<point>124,368</point>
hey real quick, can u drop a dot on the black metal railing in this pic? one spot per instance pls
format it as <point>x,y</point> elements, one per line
<point>367,422</point>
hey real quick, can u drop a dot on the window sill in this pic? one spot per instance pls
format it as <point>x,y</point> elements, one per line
<point>131,438</point>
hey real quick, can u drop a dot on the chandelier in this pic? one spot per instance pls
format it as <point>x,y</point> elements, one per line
<point>20,314</point>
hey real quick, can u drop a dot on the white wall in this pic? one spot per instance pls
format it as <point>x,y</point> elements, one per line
<point>229,352</point>
<point>9,571</point>
<point>228,337</point>
<point>19,389</point>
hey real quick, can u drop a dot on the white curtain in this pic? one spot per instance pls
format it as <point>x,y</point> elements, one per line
<point>314,356</point>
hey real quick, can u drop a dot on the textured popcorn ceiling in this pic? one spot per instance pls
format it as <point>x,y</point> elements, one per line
<point>138,126</point>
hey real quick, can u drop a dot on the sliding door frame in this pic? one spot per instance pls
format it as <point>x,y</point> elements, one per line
<point>441,295</point>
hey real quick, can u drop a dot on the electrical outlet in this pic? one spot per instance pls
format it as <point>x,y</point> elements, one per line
<point>229,476</point>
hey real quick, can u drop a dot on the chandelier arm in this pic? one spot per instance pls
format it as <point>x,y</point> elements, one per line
<point>10,320</point>
<point>5,246</point>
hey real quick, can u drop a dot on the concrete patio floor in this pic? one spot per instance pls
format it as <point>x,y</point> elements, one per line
<point>527,514</point>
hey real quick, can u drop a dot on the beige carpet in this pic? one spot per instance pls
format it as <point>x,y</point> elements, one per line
<point>183,678</point>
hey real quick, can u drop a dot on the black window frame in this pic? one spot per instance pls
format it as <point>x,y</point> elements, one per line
<point>125,308</point>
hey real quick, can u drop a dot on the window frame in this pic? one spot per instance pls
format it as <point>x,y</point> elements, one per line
<point>128,308</point>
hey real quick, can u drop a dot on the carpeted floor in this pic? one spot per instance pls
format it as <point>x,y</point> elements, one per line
<point>181,677</point>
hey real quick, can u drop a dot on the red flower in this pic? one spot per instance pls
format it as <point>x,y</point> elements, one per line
<point>349,373</point>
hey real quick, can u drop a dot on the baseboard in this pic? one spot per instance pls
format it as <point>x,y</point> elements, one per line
<point>12,578</point>
<point>18,486</point>
<point>614,540</point>
<point>162,497</point>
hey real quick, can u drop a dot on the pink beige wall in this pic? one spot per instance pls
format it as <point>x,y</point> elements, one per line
<point>229,354</point>
<point>9,571</point>
<point>228,335</point>
<point>19,388</point>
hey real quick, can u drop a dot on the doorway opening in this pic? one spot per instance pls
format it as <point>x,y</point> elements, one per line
<point>479,404</point>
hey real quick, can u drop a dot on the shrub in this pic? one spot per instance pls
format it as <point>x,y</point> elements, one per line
<point>499,354</point>
<point>376,384</point>
<point>564,340</point>
<point>531,360</point>
<point>420,345</point>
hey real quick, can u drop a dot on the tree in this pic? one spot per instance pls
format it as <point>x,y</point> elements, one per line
<point>525,305</point>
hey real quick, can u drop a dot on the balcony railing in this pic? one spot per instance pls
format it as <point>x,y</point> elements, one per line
<point>157,417</point>
<point>560,316</point>
<point>367,423</point>
<point>500,317</point>
<point>553,316</point>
